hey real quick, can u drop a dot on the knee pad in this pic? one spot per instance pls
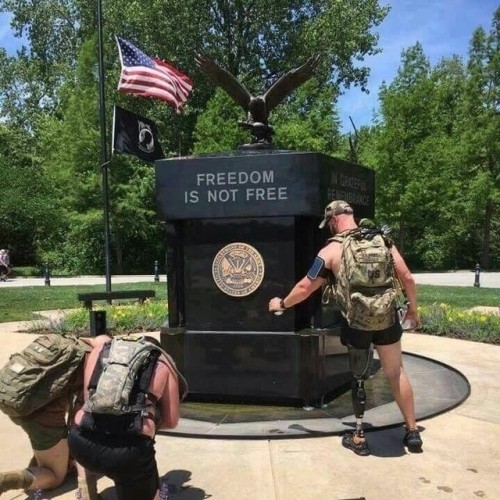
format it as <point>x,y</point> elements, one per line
<point>360,361</point>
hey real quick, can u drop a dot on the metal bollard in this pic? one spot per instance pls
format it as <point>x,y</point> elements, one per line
<point>157,271</point>
<point>477,272</point>
<point>47,275</point>
<point>97,323</point>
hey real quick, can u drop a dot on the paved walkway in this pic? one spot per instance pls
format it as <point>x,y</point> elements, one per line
<point>80,280</point>
<point>461,457</point>
<point>458,278</point>
<point>452,278</point>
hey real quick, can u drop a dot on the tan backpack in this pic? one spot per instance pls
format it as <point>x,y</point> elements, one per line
<point>365,287</point>
<point>38,374</point>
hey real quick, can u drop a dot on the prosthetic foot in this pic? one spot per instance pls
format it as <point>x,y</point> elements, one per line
<point>15,480</point>
<point>359,447</point>
<point>360,363</point>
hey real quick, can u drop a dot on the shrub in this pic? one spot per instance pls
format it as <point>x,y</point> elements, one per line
<point>447,321</point>
<point>436,319</point>
<point>120,319</point>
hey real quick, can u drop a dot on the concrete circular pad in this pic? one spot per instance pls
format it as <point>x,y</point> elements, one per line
<point>437,388</point>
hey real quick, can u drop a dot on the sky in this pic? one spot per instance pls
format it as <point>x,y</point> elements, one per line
<point>443,27</point>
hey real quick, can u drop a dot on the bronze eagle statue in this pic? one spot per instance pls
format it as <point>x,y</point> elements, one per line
<point>258,107</point>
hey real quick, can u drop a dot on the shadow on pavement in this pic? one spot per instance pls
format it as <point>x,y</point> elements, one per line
<point>388,443</point>
<point>176,480</point>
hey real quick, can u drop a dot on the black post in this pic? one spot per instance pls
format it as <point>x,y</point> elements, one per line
<point>157,273</point>
<point>477,272</point>
<point>47,275</point>
<point>97,323</point>
<point>104,153</point>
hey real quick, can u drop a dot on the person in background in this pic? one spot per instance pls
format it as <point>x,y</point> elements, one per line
<point>4,264</point>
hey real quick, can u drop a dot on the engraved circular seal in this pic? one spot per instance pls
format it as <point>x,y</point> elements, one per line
<point>238,269</point>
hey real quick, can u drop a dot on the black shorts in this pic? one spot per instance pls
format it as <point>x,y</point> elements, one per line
<point>128,460</point>
<point>362,339</point>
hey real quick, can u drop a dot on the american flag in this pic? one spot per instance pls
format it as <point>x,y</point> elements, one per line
<point>151,77</point>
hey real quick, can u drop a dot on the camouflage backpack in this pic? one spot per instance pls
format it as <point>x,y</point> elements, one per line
<point>38,374</point>
<point>119,384</point>
<point>365,287</point>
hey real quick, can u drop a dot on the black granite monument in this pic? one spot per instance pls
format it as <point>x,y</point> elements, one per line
<point>242,228</point>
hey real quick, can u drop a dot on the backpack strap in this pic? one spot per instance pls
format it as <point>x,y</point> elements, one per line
<point>183,385</point>
<point>341,237</point>
<point>88,419</point>
<point>138,396</point>
<point>94,378</point>
<point>145,380</point>
<point>336,239</point>
<point>329,290</point>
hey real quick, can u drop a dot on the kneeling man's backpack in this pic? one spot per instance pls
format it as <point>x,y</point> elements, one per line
<point>119,384</point>
<point>38,374</point>
<point>366,287</point>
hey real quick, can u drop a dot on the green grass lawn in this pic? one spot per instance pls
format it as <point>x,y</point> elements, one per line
<point>19,304</point>
<point>462,297</point>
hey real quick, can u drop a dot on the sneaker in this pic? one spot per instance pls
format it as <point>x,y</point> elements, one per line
<point>413,440</point>
<point>360,448</point>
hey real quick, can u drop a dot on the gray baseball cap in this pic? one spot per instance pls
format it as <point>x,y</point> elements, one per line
<point>335,207</point>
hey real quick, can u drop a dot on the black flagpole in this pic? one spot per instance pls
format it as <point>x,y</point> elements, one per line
<point>104,154</point>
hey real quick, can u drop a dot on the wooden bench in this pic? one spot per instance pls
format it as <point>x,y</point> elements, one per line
<point>141,295</point>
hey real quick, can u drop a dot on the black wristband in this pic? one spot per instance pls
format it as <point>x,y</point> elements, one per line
<point>282,304</point>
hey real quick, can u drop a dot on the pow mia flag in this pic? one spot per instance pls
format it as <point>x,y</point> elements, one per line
<point>135,135</point>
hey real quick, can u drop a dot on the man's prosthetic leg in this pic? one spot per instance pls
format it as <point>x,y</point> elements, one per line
<point>360,361</point>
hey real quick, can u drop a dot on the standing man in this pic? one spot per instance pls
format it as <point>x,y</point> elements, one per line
<point>330,265</point>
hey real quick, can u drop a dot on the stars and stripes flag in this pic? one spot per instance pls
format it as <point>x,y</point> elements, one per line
<point>151,77</point>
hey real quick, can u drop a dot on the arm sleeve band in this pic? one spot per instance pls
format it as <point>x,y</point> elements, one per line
<point>318,269</point>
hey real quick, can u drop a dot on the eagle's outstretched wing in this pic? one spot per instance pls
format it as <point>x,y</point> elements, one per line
<point>224,79</point>
<point>289,82</point>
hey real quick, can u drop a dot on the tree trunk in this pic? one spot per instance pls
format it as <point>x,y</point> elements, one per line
<point>485,255</point>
